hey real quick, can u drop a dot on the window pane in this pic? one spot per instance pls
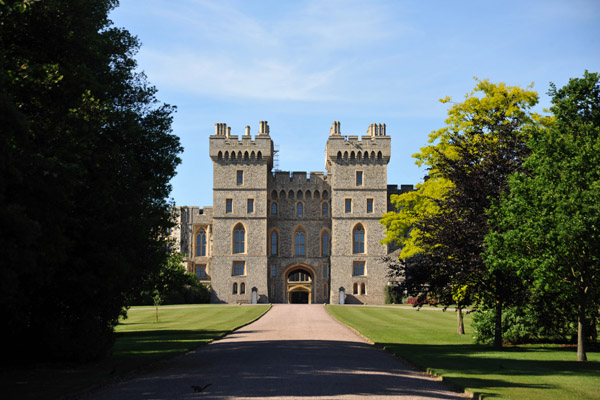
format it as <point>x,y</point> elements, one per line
<point>369,205</point>
<point>201,243</point>
<point>299,240</point>
<point>240,177</point>
<point>325,209</point>
<point>300,209</point>
<point>359,240</point>
<point>274,209</point>
<point>325,243</point>
<point>239,239</point>
<point>359,268</point>
<point>274,243</point>
<point>250,205</point>
<point>359,176</point>
<point>228,205</point>
<point>348,205</point>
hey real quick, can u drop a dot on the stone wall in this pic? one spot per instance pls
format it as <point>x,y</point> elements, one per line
<point>266,270</point>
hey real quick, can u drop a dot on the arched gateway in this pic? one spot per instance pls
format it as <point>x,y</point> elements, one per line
<point>299,286</point>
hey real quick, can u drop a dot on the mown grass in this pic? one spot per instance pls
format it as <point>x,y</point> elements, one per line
<point>428,340</point>
<point>140,342</point>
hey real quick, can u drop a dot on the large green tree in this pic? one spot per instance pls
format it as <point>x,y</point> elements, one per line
<point>445,221</point>
<point>550,221</point>
<point>86,159</point>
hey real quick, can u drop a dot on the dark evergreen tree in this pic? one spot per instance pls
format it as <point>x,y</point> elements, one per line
<point>86,159</point>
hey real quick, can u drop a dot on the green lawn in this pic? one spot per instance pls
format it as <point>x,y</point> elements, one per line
<point>140,341</point>
<point>428,340</point>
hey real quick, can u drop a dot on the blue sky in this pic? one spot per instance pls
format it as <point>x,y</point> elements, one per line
<point>303,64</point>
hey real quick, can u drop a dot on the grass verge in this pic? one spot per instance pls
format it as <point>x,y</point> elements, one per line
<point>428,340</point>
<point>140,342</point>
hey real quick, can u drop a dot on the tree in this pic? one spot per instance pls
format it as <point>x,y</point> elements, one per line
<point>550,220</point>
<point>172,285</point>
<point>472,157</point>
<point>87,156</point>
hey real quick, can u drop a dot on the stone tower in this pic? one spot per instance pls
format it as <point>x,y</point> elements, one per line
<point>238,248</point>
<point>357,171</point>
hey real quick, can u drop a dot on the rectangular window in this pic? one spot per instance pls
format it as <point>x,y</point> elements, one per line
<point>369,205</point>
<point>239,268</point>
<point>250,205</point>
<point>359,268</point>
<point>228,206</point>
<point>240,177</point>
<point>359,178</point>
<point>273,271</point>
<point>348,205</point>
<point>325,270</point>
<point>200,271</point>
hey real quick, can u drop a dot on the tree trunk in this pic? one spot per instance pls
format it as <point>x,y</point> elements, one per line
<point>156,314</point>
<point>461,325</point>
<point>581,355</point>
<point>498,325</point>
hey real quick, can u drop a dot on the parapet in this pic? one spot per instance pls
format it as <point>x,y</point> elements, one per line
<point>375,147</point>
<point>225,147</point>
<point>295,180</point>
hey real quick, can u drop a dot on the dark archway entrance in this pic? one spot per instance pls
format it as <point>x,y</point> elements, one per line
<point>299,297</point>
<point>299,286</point>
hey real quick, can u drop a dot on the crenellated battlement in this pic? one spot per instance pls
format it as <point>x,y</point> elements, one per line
<point>225,147</point>
<point>372,148</point>
<point>287,180</point>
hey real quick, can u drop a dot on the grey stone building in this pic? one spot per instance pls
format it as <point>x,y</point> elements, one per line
<point>277,237</point>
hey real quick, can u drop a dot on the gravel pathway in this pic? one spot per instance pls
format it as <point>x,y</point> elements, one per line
<point>293,351</point>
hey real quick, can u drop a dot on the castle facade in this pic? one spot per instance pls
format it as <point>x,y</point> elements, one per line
<point>291,238</point>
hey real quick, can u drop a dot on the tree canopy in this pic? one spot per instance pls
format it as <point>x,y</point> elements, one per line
<point>86,156</point>
<point>550,220</point>
<point>445,220</point>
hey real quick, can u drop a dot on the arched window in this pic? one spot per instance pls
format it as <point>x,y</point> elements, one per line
<point>363,288</point>
<point>358,240</point>
<point>274,242</point>
<point>201,243</point>
<point>235,288</point>
<point>299,276</point>
<point>300,209</point>
<point>242,288</point>
<point>239,239</point>
<point>355,288</point>
<point>325,208</point>
<point>273,208</point>
<point>299,243</point>
<point>325,244</point>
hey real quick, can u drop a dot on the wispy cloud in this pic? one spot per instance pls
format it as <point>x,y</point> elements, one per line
<point>308,52</point>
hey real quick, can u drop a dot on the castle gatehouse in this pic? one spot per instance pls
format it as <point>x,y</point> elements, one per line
<point>281,237</point>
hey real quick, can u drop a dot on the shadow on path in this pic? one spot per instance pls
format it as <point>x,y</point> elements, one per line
<point>272,369</point>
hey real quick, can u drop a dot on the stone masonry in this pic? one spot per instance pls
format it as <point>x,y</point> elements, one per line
<point>291,237</point>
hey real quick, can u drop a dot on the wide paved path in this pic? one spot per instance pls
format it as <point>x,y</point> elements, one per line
<point>293,351</point>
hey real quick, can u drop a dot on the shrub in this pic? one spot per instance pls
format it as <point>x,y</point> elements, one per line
<point>393,294</point>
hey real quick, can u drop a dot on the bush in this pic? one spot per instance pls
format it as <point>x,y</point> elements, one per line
<point>534,322</point>
<point>393,294</point>
<point>419,301</point>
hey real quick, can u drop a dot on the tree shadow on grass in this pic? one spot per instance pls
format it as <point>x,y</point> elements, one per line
<point>474,359</point>
<point>477,361</point>
<point>161,343</point>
